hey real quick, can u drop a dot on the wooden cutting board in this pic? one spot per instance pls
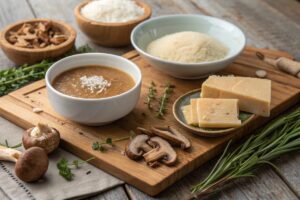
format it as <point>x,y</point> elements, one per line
<point>17,107</point>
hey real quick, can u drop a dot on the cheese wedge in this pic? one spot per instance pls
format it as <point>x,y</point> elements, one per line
<point>218,113</point>
<point>254,94</point>
<point>186,110</point>
<point>194,113</point>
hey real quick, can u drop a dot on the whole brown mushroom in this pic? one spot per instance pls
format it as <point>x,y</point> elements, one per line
<point>42,136</point>
<point>30,166</point>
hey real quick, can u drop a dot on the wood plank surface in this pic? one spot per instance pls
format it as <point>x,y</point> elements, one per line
<point>17,107</point>
<point>284,8</point>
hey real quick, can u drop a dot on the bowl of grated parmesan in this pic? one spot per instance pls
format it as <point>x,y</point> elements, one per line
<point>110,22</point>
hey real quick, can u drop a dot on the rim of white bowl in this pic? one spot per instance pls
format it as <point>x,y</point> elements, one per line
<point>137,83</point>
<point>133,33</point>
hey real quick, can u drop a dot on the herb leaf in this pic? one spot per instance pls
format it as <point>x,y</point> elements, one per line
<point>169,89</point>
<point>14,78</point>
<point>65,169</point>
<point>99,146</point>
<point>151,96</point>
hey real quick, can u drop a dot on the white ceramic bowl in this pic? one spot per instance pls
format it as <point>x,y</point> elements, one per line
<point>152,29</point>
<point>94,111</point>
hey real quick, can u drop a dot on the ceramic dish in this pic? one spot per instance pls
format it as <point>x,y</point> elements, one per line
<point>152,29</point>
<point>21,55</point>
<point>109,34</point>
<point>208,132</point>
<point>94,111</point>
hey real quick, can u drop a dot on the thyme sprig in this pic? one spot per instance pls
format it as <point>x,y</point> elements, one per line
<point>14,78</point>
<point>278,137</point>
<point>12,147</point>
<point>151,96</point>
<point>65,168</point>
<point>100,145</point>
<point>163,101</point>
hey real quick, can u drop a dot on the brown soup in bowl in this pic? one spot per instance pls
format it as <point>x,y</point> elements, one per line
<point>93,82</point>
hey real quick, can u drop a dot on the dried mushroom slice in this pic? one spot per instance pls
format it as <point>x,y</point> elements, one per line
<point>162,151</point>
<point>137,147</point>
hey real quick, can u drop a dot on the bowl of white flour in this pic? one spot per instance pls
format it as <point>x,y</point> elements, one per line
<point>110,22</point>
<point>188,46</point>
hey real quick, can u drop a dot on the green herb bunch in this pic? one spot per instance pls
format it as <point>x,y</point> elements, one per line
<point>14,78</point>
<point>164,99</point>
<point>151,95</point>
<point>278,137</point>
<point>65,168</point>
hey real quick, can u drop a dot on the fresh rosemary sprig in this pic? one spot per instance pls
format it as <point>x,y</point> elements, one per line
<point>151,96</point>
<point>65,168</point>
<point>14,78</point>
<point>12,147</point>
<point>100,146</point>
<point>278,137</point>
<point>163,101</point>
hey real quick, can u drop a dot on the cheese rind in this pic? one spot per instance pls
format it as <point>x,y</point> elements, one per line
<point>218,113</point>
<point>254,94</point>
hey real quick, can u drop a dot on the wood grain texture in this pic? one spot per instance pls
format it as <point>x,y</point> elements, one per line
<point>266,185</point>
<point>264,25</point>
<point>17,107</point>
<point>289,9</point>
<point>117,193</point>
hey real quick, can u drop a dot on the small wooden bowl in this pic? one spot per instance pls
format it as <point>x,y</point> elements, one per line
<point>20,55</point>
<point>109,34</point>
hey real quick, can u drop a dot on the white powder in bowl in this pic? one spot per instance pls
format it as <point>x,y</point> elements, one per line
<point>112,10</point>
<point>187,47</point>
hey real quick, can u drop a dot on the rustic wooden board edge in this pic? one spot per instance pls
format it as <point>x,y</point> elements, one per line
<point>137,183</point>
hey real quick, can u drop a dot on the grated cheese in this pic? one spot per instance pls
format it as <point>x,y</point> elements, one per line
<point>95,83</point>
<point>112,10</point>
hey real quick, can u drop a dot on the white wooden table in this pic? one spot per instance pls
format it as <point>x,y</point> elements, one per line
<point>267,23</point>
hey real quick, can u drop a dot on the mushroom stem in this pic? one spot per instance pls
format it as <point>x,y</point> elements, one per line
<point>8,154</point>
<point>154,155</point>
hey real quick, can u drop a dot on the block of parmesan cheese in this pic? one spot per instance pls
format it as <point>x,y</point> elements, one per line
<point>218,113</point>
<point>254,94</point>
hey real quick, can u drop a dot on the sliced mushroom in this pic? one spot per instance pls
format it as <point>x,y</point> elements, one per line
<point>172,135</point>
<point>162,151</point>
<point>137,147</point>
<point>30,165</point>
<point>141,130</point>
<point>42,136</point>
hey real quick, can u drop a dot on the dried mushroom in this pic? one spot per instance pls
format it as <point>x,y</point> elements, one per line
<point>30,165</point>
<point>162,151</point>
<point>36,35</point>
<point>168,133</point>
<point>137,147</point>
<point>42,136</point>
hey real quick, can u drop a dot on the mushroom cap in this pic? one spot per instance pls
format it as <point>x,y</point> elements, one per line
<point>137,147</point>
<point>32,164</point>
<point>162,151</point>
<point>49,140</point>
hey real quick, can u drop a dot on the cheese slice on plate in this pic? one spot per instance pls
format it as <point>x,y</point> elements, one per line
<point>218,113</point>
<point>254,94</point>
<point>194,113</point>
<point>186,110</point>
